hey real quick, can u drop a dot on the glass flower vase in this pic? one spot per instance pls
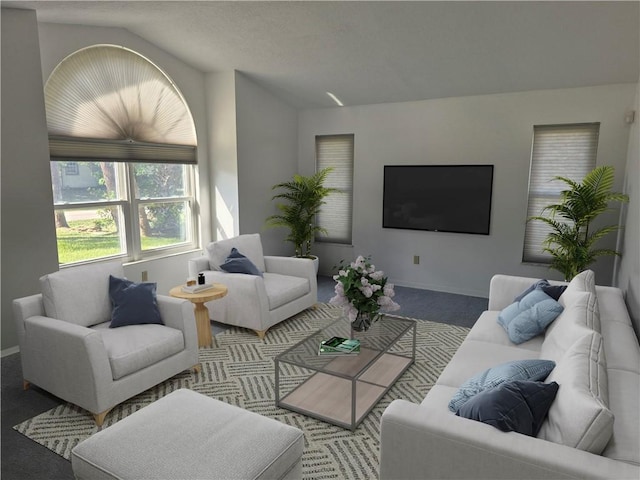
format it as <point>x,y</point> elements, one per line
<point>363,321</point>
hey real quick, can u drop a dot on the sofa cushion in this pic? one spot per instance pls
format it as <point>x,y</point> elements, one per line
<point>236,262</point>
<point>624,388</point>
<point>487,329</point>
<point>518,406</point>
<point>135,347</point>
<point>249,244</point>
<point>532,369</point>
<point>80,294</point>
<point>579,417</point>
<point>583,282</point>
<point>530,316</point>
<point>574,322</point>
<point>282,289</point>
<point>473,357</point>
<point>132,303</point>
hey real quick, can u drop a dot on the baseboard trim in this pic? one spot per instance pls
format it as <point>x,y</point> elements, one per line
<point>9,351</point>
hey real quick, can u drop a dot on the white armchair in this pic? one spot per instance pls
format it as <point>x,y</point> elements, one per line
<point>287,287</point>
<point>68,349</point>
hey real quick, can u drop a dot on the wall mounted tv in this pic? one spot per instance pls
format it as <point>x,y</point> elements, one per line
<point>439,198</point>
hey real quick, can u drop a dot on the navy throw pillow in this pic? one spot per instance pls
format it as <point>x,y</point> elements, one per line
<point>238,263</point>
<point>517,406</point>
<point>554,291</point>
<point>535,369</point>
<point>132,303</point>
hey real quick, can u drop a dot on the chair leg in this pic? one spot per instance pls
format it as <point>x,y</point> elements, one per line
<point>261,333</point>
<point>99,417</point>
<point>25,384</point>
<point>196,368</point>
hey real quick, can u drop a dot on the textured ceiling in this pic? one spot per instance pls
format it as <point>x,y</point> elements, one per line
<point>377,52</point>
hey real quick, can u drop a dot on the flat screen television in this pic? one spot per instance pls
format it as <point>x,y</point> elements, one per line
<point>438,198</point>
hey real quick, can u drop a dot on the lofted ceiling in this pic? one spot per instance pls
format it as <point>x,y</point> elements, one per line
<point>382,51</point>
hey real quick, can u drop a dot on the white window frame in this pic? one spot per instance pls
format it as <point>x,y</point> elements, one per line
<point>567,150</point>
<point>129,205</point>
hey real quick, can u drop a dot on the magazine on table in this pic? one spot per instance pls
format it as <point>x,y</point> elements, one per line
<point>339,346</point>
<point>196,288</point>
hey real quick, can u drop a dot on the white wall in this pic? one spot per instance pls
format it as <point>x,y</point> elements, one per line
<point>628,278</point>
<point>28,230</point>
<point>267,155</point>
<point>490,129</point>
<point>221,111</point>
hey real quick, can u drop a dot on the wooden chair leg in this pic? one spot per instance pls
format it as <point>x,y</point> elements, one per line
<point>261,333</point>
<point>99,417</point>
<point>196,368</point>
<point>25,384</point>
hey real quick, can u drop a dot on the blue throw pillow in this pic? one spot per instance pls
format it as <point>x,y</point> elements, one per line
<point>534,321</point>
<point>238,263</point>
<point>132,303</point>
<point>517,406</point>
<point>530,369</point>
<point>530,316</point>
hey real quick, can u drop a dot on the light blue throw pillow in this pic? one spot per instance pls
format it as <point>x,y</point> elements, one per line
<point>238,263</point>
<point>530,316</point>
<point>531,369</point>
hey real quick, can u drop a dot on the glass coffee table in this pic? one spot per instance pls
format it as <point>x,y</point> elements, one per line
<point>343,389</point>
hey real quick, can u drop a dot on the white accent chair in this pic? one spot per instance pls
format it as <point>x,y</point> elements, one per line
<point>68,349</point>
<point>287,287</point>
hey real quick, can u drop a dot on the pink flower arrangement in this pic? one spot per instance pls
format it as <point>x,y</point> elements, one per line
<point>360,288</point>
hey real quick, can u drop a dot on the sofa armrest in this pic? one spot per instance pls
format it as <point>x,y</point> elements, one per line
<point>179,314</point>
<point>24,308</point>
<point>67,360</point>
<point>415,443</point>
<point>197,265</point>
<point>295,267</point>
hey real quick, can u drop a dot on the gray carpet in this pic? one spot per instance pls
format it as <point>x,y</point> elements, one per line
<point>24,459</point>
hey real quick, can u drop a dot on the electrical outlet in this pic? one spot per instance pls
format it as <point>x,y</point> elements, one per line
<point>416,259</point>
<point>145,275</point>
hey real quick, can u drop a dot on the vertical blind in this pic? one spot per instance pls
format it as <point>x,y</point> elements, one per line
<point>558,150</point>
<point>335,216</point>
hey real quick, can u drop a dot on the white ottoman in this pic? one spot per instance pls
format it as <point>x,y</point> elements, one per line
<point>186,435</point>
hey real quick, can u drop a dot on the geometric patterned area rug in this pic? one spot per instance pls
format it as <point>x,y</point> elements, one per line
<point>239,370</point>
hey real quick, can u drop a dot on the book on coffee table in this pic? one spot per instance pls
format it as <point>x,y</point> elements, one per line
<point>339,346</point>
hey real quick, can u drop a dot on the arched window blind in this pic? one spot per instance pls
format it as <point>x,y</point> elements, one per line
<point>558,150</point>
<point>109,102</point>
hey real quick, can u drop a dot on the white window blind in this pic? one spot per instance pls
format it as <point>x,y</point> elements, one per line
<point>558,150</point>
<point>335,216</point>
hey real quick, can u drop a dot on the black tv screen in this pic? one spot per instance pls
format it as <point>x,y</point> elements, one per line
<point>439,198</point>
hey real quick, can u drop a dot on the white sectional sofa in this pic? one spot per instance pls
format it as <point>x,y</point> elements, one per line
<point>593,426</point>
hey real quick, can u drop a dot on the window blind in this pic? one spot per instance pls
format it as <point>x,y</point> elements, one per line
<point>106,102</point>
<point>558,150</point>
<point>336,151</point>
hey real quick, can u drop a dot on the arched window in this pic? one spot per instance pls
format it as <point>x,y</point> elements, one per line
<point>122,144</point>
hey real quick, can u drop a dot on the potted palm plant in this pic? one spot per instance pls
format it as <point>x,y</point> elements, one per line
<point>303,196</point>
<point>572,239</point>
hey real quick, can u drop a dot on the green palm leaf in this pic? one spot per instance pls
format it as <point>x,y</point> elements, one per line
<point>570,242</point>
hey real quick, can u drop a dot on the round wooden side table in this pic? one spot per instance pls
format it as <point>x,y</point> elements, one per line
<point>203,324</point>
